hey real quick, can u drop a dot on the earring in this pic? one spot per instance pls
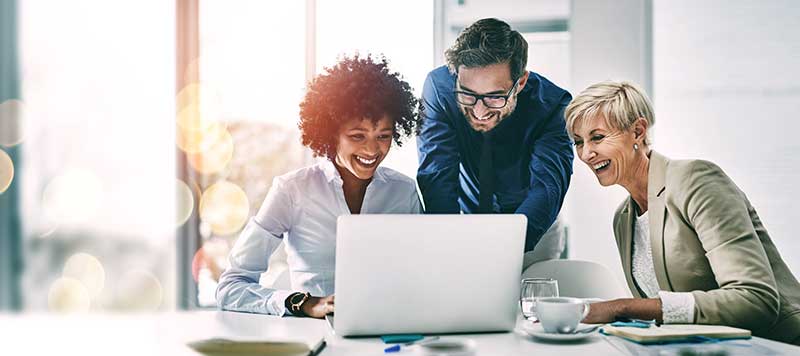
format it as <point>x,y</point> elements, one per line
<point>635,146</point>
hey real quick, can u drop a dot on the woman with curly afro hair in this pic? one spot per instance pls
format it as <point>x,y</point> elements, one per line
<point>351,115</point>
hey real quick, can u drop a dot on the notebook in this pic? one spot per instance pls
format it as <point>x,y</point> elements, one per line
<point>676,332</point>
<point>251,347</point>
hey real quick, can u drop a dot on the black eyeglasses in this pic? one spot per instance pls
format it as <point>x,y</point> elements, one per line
<point>490,101</point>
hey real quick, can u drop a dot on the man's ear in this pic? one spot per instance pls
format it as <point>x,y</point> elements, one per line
<point>522,81</point>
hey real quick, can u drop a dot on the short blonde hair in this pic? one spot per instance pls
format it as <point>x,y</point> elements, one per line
<point>620,103</point>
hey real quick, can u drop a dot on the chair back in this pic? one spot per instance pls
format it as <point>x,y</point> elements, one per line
<point>579,279</point>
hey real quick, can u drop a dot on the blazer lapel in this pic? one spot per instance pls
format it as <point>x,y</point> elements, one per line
<point>656,192</point>
<point>626,218</point>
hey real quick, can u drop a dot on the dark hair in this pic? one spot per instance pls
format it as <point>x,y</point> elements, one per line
<point>487,42</point>
<point>355,88</point>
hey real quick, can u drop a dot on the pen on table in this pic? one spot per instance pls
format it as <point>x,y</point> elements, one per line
<point>396,348</point>
<point>640,321</point>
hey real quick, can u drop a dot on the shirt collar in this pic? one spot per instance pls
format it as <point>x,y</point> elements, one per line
<point>332,174</point>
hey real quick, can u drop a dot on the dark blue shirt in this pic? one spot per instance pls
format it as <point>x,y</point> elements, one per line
<point>532,154</point>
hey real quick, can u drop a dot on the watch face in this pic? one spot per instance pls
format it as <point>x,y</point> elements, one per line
<point>297,298</point>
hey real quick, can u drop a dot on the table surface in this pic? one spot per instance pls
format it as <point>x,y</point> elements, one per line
<point>168,333</point>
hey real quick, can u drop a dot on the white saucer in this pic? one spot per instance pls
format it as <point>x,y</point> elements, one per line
<point>536,330</point>
<point>447,347</point>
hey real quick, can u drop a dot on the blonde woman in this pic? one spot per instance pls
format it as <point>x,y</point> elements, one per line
<point>693,248</point>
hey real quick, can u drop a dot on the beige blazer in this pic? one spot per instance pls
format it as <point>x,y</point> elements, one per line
<point>707,239</point>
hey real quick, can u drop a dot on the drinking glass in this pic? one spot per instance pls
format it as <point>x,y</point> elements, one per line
<point>533,289</point>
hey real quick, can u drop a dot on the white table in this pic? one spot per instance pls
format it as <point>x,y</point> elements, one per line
<point>167,334</point>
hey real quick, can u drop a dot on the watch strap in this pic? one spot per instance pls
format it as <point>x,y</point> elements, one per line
<point>295,301</point>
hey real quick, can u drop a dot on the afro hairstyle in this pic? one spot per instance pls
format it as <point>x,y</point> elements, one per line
<point>356,88</point>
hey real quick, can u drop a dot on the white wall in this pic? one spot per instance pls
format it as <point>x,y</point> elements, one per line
<point>456,16</point>
<point>725,85</point>
<point>727,89</point>
<point>506,10</point>
<point>603,47</point>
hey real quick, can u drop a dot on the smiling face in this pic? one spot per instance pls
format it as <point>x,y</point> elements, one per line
<point>607,151</point>
<point>494,79</point>
<point>362,145</point>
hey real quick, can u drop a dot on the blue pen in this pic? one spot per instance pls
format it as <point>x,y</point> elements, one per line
<point>396,348</point>
<point>636,323</point>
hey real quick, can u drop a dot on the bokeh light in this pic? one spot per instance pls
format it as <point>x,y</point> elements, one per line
<point>139,290</point>
<point>68,295</point>
<point>6,171</point>
<point>196,132</point>
<point>198,93</point>
<point>12,121</point>
<point>184,201</point>
<point>211,256</point>
<point>72,197</point>
<point>205,230</point>
<point>88,270</point>
<point>198,263</point>
<point>225,207</point>
<point>188,95</point>
<point>215,158</point>
<point>198,124</point>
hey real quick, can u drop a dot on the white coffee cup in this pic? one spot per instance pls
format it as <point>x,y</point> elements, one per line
<point>561,314</point>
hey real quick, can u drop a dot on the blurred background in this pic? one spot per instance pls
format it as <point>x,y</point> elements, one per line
<point>137,137</point>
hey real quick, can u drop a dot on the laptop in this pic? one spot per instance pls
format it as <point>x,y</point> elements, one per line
<point>427,274</point>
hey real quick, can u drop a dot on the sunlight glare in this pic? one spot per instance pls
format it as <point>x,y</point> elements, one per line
<point>12,115</point>
<point>72,197</point>
<point>6,171</point>
<point>68,295</point>
<point>184,200</point>
<point>215,158</point>
<point>88,270</point>
<point>225,207</point>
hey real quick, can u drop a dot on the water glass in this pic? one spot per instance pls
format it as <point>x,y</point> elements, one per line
<point>533,289</point>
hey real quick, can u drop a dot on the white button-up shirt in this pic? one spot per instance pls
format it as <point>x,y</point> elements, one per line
<point>304,205</point>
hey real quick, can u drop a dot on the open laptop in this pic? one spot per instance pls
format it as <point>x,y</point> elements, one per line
<point>427,274</point>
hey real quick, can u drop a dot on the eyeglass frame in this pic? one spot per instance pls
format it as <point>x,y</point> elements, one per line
<point>482,96</point>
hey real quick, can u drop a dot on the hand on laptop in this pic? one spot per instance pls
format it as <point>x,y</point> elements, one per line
<point>318,307</point>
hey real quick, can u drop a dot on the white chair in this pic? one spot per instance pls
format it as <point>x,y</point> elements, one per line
<point>580,279</point>
<point>552,245</point>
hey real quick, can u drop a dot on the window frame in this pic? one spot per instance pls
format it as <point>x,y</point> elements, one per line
<point>188,238</point>
<point>10,223</point>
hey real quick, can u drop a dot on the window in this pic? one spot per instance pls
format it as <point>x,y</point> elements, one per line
<point>402,31</point>
<point>253,65</point>
<point>548,55</point>
<point>96,187</point>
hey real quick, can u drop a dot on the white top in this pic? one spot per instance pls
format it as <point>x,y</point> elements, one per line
<point>676,308</point>
<point>304,205</point>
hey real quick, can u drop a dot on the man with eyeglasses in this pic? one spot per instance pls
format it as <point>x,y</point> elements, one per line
<point>493,137</point>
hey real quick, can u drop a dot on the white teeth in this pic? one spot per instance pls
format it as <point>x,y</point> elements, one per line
<point>366,161</point>
<point>601,164</point>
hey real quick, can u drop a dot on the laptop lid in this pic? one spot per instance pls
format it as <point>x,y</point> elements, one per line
<point>427,273</point>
